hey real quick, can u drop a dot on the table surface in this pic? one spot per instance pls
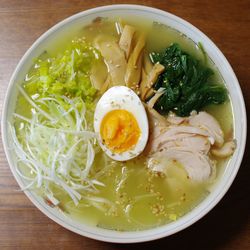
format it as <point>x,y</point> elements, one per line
<point>227,226</point>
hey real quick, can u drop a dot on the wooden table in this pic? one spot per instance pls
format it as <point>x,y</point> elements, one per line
<point>22,226</point>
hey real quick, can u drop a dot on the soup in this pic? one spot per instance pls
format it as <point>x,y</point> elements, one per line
<point>93,172</point>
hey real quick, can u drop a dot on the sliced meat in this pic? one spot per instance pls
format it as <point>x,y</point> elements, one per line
<point>197,165</point>
<point>155,119</point>
<point>187,140</point>
<point>176,120</point>
<point>163,134</point>
<point>173,132</point>
<point>114,58</point>
<point>157,123</point>
<point>194,143</point>
<point>226,150</point>
<point>159,163</point>
<point>205,121</point>
<point>126,38</point>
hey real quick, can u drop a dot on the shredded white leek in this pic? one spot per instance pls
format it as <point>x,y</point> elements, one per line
<point>55,146</point>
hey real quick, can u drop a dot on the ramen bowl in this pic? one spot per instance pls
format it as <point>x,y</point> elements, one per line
<point>72,23</point>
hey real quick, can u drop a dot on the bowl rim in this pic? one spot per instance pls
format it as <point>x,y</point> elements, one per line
<point>110,235</point>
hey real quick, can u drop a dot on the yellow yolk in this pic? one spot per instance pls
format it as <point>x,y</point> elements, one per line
<point>119,130</point>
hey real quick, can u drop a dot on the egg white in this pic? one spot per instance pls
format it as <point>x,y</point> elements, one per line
<point>121,97</point>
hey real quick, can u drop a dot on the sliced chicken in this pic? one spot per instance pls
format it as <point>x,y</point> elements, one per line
<point>176,120</point>
<point>148,82</point>
<point>177,132</point>
<point>134,67</point>
<point>155,119</point>
<point>226,150</point>
<point>114,58</point>
<point>205,121</point>
<point>159,163</point>
<point>187,140</point>
<point>163,134</point>
<point>157,123</point>
<point>174,130</point>
<point>197,165</point>
<point>126,38</point>
<point>194,143</point>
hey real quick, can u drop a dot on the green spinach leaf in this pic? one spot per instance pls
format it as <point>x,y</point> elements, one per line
<point>185,80</point>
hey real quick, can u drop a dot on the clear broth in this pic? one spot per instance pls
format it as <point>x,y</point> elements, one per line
<point>140,199</point>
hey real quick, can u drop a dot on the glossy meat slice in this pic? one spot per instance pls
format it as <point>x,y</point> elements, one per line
<point>205,121</point>
<point>187,140</point>
<point>194,143</point>
<point>197,165</point>
<point>176,120</point>
<point>226,150</point>
<point>180,135</point>
<point>157,123</point>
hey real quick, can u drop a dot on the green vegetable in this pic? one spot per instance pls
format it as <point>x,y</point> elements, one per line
<point>57,143</point>
<point>185,81</point>
<point>55,147</point>
<point>65,74</point>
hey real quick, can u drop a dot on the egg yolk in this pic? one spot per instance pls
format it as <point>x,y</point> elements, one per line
<point>119,130</point>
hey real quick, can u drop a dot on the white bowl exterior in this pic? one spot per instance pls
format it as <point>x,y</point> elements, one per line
<point>216,56</point>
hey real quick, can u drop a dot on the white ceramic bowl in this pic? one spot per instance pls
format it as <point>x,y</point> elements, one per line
<point>71,23</point>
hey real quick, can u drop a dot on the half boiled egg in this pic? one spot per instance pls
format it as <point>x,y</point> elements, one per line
<point>121,122</point>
